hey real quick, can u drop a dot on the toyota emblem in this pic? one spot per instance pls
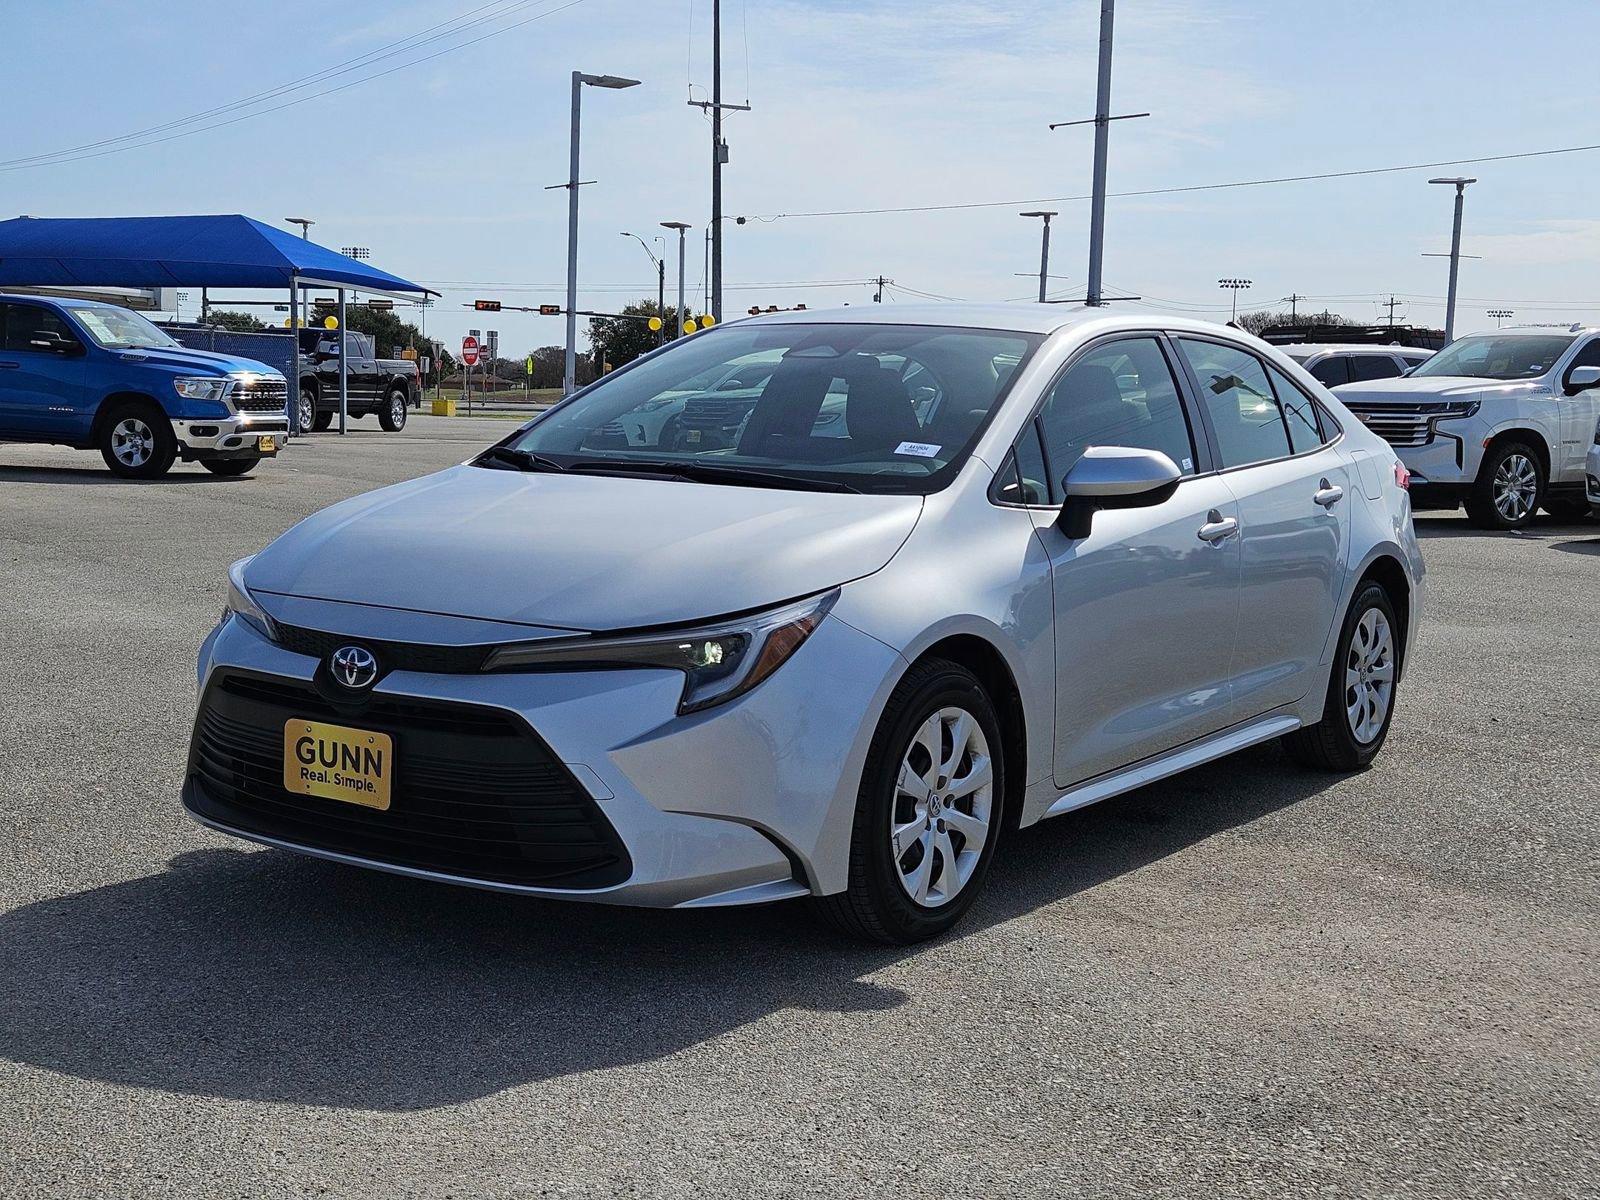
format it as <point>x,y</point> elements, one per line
<point>353,666</point>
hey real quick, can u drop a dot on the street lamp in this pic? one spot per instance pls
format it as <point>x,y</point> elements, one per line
<point>569,376</point>
<point>305,224</point>
<point>1235,286</point>
<point>1044,249</point>
<point>1499,315</point>
<point>1460,184</point>
<point>660,264</point>
<point>680,227</point>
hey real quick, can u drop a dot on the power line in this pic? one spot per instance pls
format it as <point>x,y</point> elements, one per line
<point>1169,191</point>
<point>65,157</point>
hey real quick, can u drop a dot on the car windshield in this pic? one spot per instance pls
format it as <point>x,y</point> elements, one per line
<point>863,407</point>
<point>1496,356</point>
<point>119,329</point>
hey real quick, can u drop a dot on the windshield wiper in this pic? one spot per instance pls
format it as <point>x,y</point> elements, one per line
<point>714,473</point>
<point>502,458</point>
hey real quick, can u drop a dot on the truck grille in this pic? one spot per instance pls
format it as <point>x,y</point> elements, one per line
<point>1399,424</point>
<point>262,395</point>
<point>476,793</point>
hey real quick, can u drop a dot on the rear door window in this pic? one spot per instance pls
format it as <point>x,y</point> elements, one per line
<point>1331,372</point>
<point>1299,412</point>
<point>1372,366</point>
<point>1240,402</point>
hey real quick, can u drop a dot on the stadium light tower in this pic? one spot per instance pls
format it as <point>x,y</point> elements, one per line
<point>1235,286</point>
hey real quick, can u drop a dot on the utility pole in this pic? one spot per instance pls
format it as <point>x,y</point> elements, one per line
<point>877,297</point>
<point>1102,133</point>
<point>1044,250</point>
<point>1293,299</point>
<point>719,155</point>
<point>1391,305</point>
<point>1235,286</point>
<point>1460,184</point>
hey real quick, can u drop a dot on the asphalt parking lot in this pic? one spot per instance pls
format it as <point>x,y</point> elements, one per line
<point>1251,980</point>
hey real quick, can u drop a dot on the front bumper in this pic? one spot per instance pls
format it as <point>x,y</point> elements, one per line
<point>1591,477</point>
<point>235,435</point>
<point>748,802</point>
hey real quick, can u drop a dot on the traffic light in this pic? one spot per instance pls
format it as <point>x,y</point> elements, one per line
<point>549,310</point>
<point>486,305</point>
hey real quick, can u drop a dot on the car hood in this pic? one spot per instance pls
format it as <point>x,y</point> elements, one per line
<point>584,552</point>
<point>204,361</point>
<point>1435,387</point>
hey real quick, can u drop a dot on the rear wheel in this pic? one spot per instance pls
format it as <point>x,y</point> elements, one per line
<point>306,416</point>
<point>137,442</point>
<point>392,416</point>
<point>927,812</point>
<point>1509,488</point>
<point>1360,699</point>
<point>231,466</point>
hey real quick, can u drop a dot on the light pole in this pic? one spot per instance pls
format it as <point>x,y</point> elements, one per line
<point>680,227</point>
<point>1044,249</point>
<point>1500,315</point>
<point>1460,184</point>
<point>305,224</point>
<point>660,264</point>
<point>569,375</point>
<point>1235,286</point>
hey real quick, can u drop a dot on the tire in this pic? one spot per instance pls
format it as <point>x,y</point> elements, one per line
<point>1509,488</point>
<point>228,467</point>
<point>901,887</point>
<point>392,416</point>
<point>1368,655</point>
<point>136,441</point>
<point>1567,508</point>
<point>306,415</point>
<point>323,422</point>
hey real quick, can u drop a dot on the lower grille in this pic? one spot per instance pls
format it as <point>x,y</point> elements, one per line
<point>476,793</point>
<point>263,395</point>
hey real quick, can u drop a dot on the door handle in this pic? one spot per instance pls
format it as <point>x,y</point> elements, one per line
<point>1328,494</point>
<point>1218,527</point>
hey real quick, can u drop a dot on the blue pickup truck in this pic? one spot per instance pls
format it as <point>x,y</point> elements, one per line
<point>94,376</point>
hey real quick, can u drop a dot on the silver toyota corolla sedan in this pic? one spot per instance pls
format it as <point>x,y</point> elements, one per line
<point>932,576</point>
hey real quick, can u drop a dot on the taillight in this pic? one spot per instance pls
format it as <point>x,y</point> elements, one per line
<point>1402,477</point>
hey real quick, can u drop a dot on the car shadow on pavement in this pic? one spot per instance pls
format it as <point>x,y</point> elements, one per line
<point>1541,528</point>
<point>267,976</point>
<point>98,474</point>
<point>1579,546</point>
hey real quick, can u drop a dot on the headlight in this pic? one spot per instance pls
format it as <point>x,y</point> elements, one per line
<point>201,388</point>
<point>718,661</point>
<point>242,605</point>
<point>1457,409</point>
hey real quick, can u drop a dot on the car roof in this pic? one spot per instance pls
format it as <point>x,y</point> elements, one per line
<point>1536,331</point>
<point>1013,318</point>
<point>1293,348</point>
<point>63,301</point>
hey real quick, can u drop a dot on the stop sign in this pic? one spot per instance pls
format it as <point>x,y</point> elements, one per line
<point>469,350</point>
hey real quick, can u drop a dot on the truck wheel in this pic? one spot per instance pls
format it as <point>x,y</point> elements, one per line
<point>307,416</point>
<point>323,422</point>
<point>137,442</point>
<point>392,416</point>
<point>1509,487</point>
<point>231,466</point>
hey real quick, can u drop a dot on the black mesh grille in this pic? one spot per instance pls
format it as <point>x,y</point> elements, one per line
<point>391,656</point>
<point>263,395</point>
<point>476,793</point>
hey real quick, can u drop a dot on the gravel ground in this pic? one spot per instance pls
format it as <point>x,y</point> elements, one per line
<point>1248,981</point>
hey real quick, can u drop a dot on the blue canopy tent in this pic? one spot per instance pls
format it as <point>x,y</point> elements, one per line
<point>206,252</point>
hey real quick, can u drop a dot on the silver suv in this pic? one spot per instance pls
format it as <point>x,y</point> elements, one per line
<point>1041,557</point>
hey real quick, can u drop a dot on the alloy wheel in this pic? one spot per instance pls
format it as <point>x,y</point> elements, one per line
<point>308,412</point>
<point>1369,676</point>
<point>397,410</point>
<point>943,806</point>
<point>133,442</point>
<point>1516,487</point>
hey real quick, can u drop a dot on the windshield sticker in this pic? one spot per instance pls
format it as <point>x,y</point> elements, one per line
<point>96,324</point>
<point>1188,464</point>
<point>920,449</point>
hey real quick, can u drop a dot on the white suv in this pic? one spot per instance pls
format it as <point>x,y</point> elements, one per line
<point>1501,421</point>
<point>1334,363</point>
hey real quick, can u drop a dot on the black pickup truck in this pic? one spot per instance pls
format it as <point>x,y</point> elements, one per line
<point>381,387</point>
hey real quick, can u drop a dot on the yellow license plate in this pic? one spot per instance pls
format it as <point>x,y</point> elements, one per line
<point>267,444</point>
<point>338,763</point>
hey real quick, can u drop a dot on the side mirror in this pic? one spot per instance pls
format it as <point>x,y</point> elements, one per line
<point>1581,379</point>
<point>1114,477</point>
<point>55,343</point>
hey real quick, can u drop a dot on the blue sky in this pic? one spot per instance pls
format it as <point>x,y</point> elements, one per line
<point>855,106</point>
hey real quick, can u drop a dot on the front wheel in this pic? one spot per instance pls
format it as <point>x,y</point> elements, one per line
<point>392,416</point>
<point>928,812</point>
<point>1360,699</point>
<point>137,442</point>
<point>1509,488</point>
<point>228,467</point>
<point>305,413</point>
